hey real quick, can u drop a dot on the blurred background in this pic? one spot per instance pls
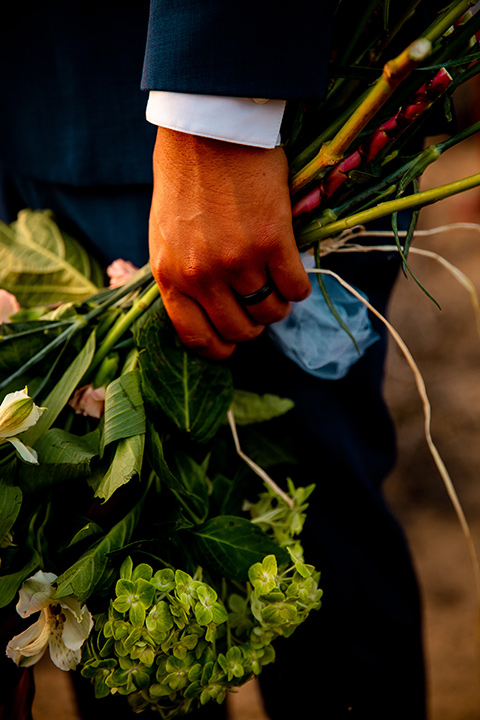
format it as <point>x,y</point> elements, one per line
<point>446,347</point>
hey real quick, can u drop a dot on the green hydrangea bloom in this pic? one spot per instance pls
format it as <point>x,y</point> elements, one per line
<point>171,644</point>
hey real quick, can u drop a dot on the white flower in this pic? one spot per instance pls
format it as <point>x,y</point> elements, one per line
<point>8,306</point>
<point>18,412</point>
<point>63,625</point>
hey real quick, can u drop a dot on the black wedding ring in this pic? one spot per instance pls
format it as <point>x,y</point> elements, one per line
<point>258,296</point>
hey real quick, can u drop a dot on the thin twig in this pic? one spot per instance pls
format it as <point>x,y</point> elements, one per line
<point>421,233</point>
<point>253,465</point>
<point>460,276</point>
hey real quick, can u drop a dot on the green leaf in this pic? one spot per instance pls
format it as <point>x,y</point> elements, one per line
<point>406,266</point>
<point>40,265</point>
<point>230,545</point>
<point>126,463</point>
<point>9,584</point>
<point>30,338</point>
<point>124,412</point>
<point>193,392</point>
<point>265,451</point>
<point>61,393</point>
<point>329,302</point>
<point>88,572</point>
<point>228,494</point>
<point>62,456</point>
<point>184,492</point>
<point>57,446</point>
<point>192,476</point>
<point>88,530</point>
<point>10,504</point>
<point>250,408</point>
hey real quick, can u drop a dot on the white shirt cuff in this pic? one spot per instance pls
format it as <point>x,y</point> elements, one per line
<point>245,121</point>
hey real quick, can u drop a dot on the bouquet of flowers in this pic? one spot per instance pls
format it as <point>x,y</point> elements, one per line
<point>160,564</point>
<point>163,559</point>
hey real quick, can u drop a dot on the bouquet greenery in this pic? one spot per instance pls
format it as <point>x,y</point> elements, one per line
<point>160,564</point>
<point>163,560</point>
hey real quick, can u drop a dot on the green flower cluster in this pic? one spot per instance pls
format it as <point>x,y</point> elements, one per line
<point>281,522</point>
<point>170,644</point>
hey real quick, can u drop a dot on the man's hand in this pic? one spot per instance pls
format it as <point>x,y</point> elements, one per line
<point>221,226</point>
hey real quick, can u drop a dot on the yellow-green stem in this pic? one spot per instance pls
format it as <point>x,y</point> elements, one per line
<point>450,16</point>
<point>123,323</point>
<point>394,72</point>
<point>315,232</point>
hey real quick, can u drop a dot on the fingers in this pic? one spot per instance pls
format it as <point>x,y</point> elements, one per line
<point>287,272</point>
<point>194,328</point>
<point>220,227</point>
<point>211,326</point>
<point>229,318</point>
<point>272,309</point>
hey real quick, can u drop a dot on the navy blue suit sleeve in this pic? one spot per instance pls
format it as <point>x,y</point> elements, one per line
<point>247,49</point>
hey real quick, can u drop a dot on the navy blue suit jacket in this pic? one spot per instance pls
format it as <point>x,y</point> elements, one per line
<point>250,49</point>
<point>71,106</point>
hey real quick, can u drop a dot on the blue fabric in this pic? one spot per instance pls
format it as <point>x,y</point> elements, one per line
<point>312,337</point>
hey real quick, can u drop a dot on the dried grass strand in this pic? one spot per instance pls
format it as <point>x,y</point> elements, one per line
<point>253,465</point>
<point>422,391</point>
<point>458,274</point>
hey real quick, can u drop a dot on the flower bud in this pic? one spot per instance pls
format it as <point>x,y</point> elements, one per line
<point>120,272</point>
<point>18,412</point>
<point>8,306</point>
<point>88,401</point>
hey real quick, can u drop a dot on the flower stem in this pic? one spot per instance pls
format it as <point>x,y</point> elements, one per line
<point>124,323</point>
<point>399,178</point>
<point>447,18</point>
<point>394,72</point>
<point>64,337</point>
<point>302,174</point>
<point>389,131</point>
<point>315,231</point>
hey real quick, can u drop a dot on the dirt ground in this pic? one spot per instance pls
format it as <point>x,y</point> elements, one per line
<point>447,349</point>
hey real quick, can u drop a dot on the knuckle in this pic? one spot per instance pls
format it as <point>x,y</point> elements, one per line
<point>221,353</point>
<point>243,335</point>
<point>196,341</point>
<point>192,271</point>
<point>300,294</point>
<point>268,316</point>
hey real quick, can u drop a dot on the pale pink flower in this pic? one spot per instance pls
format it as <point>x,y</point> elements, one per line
<point>120,272</point>
<point>8,306</point>
<point>63,625</point>
<point>88,401</point>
